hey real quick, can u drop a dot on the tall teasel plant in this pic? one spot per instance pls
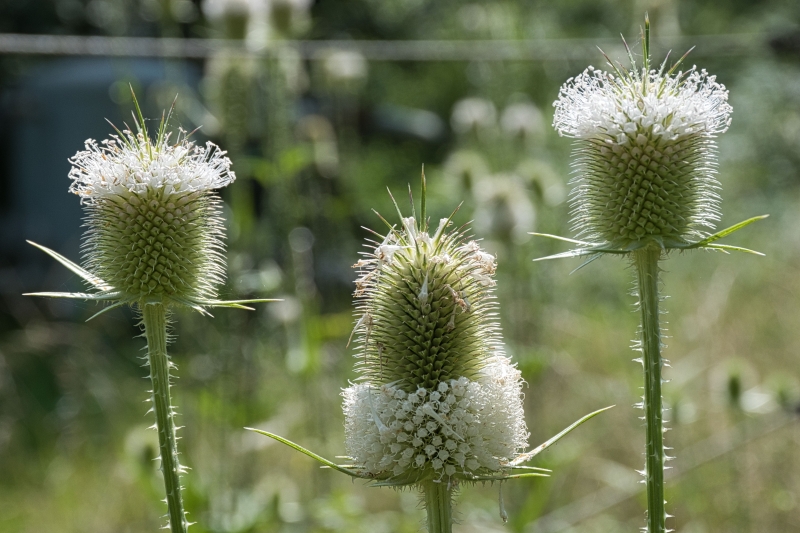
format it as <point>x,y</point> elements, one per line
<point>437,402</point>
<point>645,165</point>
<point>154,241</point>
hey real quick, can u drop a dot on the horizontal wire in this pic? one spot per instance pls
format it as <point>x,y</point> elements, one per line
<point>744,44</point>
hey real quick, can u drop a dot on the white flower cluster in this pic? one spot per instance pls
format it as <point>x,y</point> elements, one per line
<point>629,109</point>
<point>480,265</point>
<point>132,164</point>
<point>462,428</point>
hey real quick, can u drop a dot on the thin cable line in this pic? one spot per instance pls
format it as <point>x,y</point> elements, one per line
<point>745,44</point>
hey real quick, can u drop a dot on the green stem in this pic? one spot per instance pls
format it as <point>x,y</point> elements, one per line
<point>439,505</point>
<point>646,261</point>
<point>155,330</point>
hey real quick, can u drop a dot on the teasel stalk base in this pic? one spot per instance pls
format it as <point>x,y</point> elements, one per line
<point>646,263</point>
<point>155,329</point>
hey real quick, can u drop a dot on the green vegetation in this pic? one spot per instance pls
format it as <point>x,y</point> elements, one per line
<point>314,144</point>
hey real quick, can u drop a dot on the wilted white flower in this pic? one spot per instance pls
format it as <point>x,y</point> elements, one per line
<point>645,153</point>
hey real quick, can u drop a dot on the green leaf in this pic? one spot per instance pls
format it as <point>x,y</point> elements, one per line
<point>724,233</point>
<point>542,447</point>
<point>580,252</point>
<point>559,238</point>
<point>533,468</point>
<point>725,248</point>
<point>99,296</point>
<point>311,454</point>
<point>110,307</point>
<point>85,274</point>
<point>504,478</point>
<point>236,304</point>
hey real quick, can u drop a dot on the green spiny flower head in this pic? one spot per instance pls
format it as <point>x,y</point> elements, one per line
<point>154,227</point>
<point>645,153</point>
<point>437,398</point>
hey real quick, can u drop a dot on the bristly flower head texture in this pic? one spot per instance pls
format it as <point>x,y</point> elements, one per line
<point>154,226</point>
<point>437,398</point>
<point>645,153</point>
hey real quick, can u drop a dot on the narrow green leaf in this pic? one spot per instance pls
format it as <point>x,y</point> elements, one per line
<point>727,247</point>
<point>532,468</point>
<point>85,274</point>
<point>99,296</point>
<point>238,304</point>
<point>422,205</point>
<point>724,233</point>
<point>585,263</point>
<point>110,307</point>
<point>542,447</point>
<point>192,305</point>
<point>311,454</point>
<point>559,238</point>
<point>504,478</point>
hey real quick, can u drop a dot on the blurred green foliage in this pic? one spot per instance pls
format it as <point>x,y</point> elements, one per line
<point>315,144</point>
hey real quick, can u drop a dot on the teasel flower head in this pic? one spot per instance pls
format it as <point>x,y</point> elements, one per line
<point>437,397</point>
<point>153,217</point>
<point>645,153</point>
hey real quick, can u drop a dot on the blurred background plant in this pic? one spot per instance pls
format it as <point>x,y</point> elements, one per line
<point>320,114</point>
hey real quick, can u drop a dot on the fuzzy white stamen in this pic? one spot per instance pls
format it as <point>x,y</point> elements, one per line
<point>131,164</point>
<point>465,427</point>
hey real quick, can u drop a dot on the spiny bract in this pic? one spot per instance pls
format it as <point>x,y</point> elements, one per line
<point>645,154</point>
<point>437,397</point>
<point>154,227</point>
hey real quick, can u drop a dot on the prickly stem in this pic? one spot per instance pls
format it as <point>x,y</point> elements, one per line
<point>646,262</point>
<point>155,329</point>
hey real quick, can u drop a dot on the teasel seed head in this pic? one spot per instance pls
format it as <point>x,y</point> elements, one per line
<point>437,398</point>
<point>645,153</point>
<point>155,233</point>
